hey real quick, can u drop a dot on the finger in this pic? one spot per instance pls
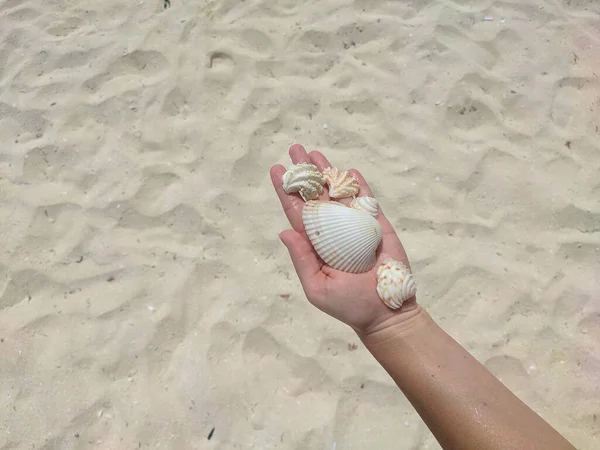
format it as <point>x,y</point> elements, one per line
<point>365,190</point>
<point>303,257</point>
<point>298,154</point>
<point>292,204</point>
<point>319,160</point>
<point>322,163</point>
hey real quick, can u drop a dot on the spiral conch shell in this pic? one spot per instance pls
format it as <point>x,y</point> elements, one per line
<point>395,283</point>
<point>367,204</point>
<point>304,178</point>
<point>345,238</point>
<point>342,184</point>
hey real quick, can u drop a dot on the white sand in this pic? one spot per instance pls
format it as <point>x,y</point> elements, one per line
<point>145,296</point>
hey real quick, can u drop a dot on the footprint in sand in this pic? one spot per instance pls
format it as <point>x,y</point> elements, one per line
<point>127,70</point>
<point>22,15</point>
<point>65,27</point>
<point>467,113</point>
<point>510,370</point>
<point>23,285</point>
<point>470,103</point>
<point>482,54</point>
<point>575,104</point>
<point>175,102</point>
<point>32,124</point>
<point>46,163</point>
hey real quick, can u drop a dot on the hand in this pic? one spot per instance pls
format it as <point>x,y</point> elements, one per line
<point>350,298</point>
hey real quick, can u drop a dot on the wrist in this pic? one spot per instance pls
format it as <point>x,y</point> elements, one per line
<point>396,329</point>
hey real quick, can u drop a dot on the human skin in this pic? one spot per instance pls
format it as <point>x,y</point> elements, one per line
<point>461,402</point>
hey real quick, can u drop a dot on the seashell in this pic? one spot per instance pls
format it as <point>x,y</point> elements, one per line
<point>304,178</point>
<point>345,238</point>
<point>367,204</point>
<point>341,185</point>
<point>395,283</point>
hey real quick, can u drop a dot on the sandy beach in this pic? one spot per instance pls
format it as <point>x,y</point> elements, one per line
<point>146,300</point>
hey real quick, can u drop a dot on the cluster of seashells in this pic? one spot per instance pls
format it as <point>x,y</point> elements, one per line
<point>347,237</point>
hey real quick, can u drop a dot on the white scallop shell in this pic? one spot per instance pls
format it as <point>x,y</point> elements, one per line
<point>304,178</point>
<point>345,238</point>
<point>367,204</point>
<point>395,283</point>
<point>341,185</point>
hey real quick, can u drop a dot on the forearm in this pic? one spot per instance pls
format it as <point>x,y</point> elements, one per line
<point>462,403</point>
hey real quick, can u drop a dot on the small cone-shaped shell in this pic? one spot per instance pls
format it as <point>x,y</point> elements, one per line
<point>346,239</point>
<point>395,283</point>
<point>304,178</point>
<point>341,185</point>
<point>367,204</point>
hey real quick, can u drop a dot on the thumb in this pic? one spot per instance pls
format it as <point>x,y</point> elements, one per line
<point>303,255</point>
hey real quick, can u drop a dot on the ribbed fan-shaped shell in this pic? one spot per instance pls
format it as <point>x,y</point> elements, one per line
<point>395,283</point>
<point>367,204</point>
<point>345,238</point>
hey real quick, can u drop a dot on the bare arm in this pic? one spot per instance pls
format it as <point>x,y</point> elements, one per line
<point>461,402</point>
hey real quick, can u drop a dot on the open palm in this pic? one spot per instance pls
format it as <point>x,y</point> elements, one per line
<point>350,298</point>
